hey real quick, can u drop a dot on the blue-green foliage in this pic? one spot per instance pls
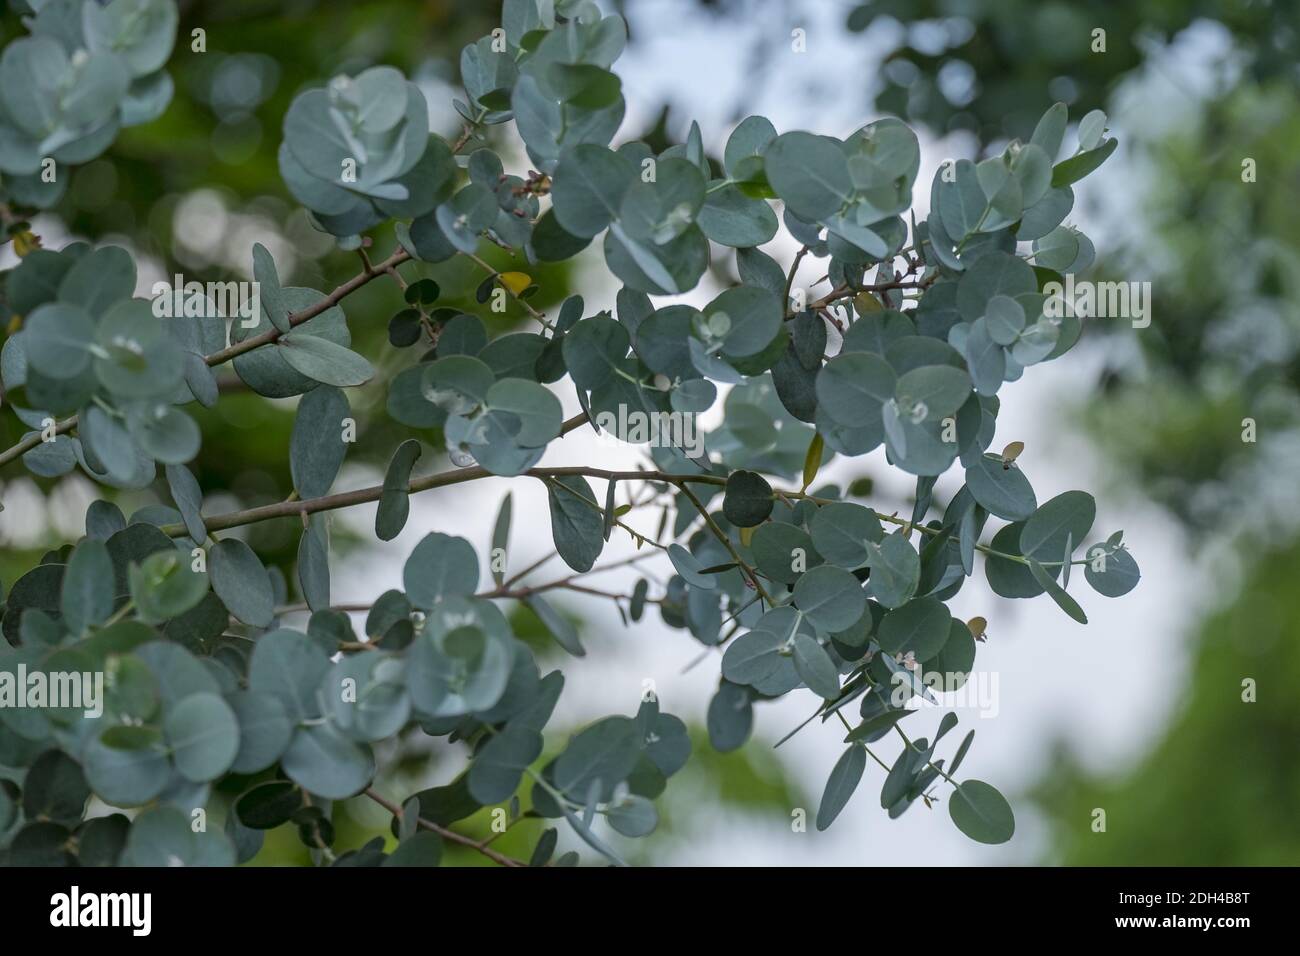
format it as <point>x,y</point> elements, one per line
<point>907,347</point>
<point>85,72</point>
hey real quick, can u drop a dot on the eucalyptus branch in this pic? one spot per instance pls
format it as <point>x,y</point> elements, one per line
<point>21,447</point>
<point>528,307</point>
<point>591,503</point>
<point>297,318</point>
<point>532,567</point>
<point>847,292</point>
<point>726,541</point>
<point>479,846</point>
<point>466,666</point>
<point>569,583</point>
<point>789,279</point>
<point>931,763</point>
<point>468,131</point>
<point>347,499</point>
<point>907,523</point>
<point>870,753</point>
<point>247,345</point>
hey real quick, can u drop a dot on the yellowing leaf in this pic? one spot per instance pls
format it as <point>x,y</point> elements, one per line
<point>1013,450</point>
<point>865,302</point>
<point>516,282</point>
<point>26,241</point>
<point>812,461</point>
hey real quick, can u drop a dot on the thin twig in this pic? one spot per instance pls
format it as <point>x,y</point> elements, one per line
<point>297,318</point>
<point>789,279</point>
<point>449,835</point>
<point>514,295</point>
<point>726,541</point>
<point>239,348</point>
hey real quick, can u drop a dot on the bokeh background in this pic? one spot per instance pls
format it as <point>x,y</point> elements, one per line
<point>1140,713</point>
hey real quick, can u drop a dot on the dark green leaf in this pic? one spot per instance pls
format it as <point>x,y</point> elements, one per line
<point>844,779</point>
<point>747,500</point>
<point>241,582</point>
<point>981,812</point>
<point>575,521</point>
<point>317,446</point>
<point>394,503</point>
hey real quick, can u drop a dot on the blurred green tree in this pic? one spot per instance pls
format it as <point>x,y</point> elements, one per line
<point>1221,786</point>
<point>1201,410</point>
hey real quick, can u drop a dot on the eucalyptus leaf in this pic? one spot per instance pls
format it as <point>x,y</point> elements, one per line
<point>203,735</point>
<point>241,582</point>
<point>575,521</point>
<point>324,361</point>
<point>318,442</point>
<point>844,779</point>
<point>981,812</point>
<point>394,503</point>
